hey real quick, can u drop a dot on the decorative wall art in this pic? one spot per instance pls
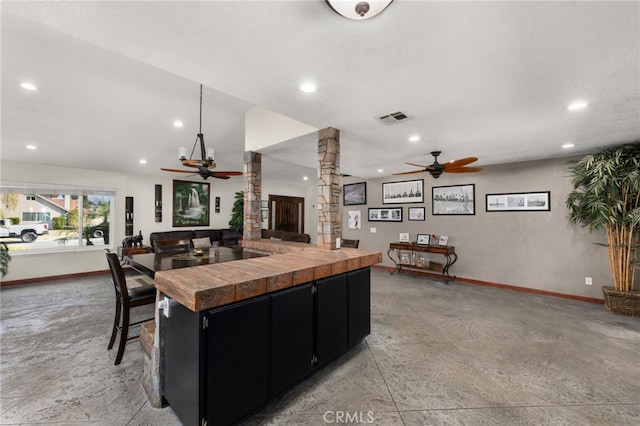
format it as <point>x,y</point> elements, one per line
<point>416,213</point>
<point>409,191</point>
<point>519,201</point>
<point>158,203</point>
<point>454,200</point>
<point>355,219</point>
<point>354,194</point>
<point>190,203</point>
<point>385,215</point>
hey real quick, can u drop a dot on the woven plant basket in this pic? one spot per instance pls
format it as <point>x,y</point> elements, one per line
<point>622,302</point>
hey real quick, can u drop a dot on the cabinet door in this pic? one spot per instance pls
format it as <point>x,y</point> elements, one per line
<point>291,336</point>
<point>237,360</point>
<point>331,318</point>
<point>359,304</point>
<point>182,349</point>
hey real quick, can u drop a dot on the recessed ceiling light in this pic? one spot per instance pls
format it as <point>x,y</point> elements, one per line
<point>142,161</point>
<point>305,178</point>
<point>31,147</point>
<point>568,145</point>
<point>414,138</point>
<point>380,170</point>
<point>307,87</point>
<point>28,86</point>
<point>178,123</point>
<point>577,105</point>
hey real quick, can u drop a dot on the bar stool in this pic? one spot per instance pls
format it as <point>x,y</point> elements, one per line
<point>350,243</point>
<point>126,298</point>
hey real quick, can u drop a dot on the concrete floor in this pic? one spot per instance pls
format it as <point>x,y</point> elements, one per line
<point>438,354</point>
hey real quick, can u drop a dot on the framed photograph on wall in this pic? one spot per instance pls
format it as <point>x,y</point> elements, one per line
<point>190,203</point>
<point>454,200</point>
<point>409,191</point>
<point>385,215</point>
<point>354,194</point>
<point>416,213</point>
<point>519,201</point>
<point>354,220</point>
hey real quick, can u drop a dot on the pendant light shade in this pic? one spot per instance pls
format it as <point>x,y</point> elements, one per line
<point>358,10</point>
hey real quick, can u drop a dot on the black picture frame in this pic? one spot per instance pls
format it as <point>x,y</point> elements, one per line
<point>539,201</point>
<point>416,213</point>
<point>423,239</point>
<point>191,203</point>
<point>404,192</point>
<point>354,194</point>
<point>453,200</point>
<point>382,214</point>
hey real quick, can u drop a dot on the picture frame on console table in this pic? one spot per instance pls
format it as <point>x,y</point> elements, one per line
<point>454,200</point>
<point>423,239</point>
<point>408,191</point>
<point>191,203</point>
<point>519,201</point>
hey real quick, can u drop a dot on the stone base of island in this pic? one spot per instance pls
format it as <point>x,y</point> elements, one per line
<point>240,333</point>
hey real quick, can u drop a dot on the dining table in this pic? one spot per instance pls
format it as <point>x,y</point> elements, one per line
<point>150,263</point>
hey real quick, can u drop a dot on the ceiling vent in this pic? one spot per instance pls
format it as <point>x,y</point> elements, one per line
<point>393,118</point>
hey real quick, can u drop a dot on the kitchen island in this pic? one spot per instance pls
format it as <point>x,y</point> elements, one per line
<point>240,333</point>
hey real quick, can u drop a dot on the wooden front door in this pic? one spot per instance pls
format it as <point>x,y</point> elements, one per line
<point>286,213</point>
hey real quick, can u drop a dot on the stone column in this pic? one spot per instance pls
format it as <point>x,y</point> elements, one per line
<point>252,196</point>
<point>329,221</point>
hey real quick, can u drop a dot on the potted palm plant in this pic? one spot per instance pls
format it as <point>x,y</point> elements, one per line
<point>237,212</point>
<point>5,258</point>
<point>606,196</point>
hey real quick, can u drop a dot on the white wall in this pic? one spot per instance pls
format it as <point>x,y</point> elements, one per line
<point>142,189</point>
<point>538,250</point>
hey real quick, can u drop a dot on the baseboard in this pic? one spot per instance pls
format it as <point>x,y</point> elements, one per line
<point>499,285</point>
<point>52,278</point>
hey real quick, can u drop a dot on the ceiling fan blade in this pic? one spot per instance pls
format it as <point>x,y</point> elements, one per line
<point>417,165</point>
<point>463,169</point>
<point>229,173</point>
<point>460,162</point>
<point>178,170</point>
<point>219,176</point>
<point>411,172</point>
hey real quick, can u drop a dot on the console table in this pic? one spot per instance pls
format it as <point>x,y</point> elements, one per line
<point>405,258</point>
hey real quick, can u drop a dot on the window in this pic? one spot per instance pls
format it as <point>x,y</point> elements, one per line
<point>36,217</point>
<point>77,218</point>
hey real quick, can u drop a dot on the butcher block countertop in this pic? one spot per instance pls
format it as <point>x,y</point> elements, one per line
<point>204,287</point>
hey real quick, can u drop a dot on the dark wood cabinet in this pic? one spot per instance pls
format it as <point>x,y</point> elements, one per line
<point>237,360</point>
<point>291,334</point>
<point>219,366</point>
<point>359,304</point>
<point>331,318</point>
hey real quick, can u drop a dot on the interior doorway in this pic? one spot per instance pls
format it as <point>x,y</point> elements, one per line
<point>286,213</point>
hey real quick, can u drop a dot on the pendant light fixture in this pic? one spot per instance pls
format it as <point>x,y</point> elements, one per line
<point>358,10</point>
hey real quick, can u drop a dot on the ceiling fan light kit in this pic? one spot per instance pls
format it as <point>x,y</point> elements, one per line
<point>206,163</point>
<point>358,10</point>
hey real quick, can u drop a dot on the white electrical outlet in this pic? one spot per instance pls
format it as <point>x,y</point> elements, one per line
<point>588,281</point>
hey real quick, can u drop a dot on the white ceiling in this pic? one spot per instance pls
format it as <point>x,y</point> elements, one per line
<point>485,79</point>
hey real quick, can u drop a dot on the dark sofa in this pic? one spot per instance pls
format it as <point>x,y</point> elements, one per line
<point>286,236</point>
<point>224,237</point>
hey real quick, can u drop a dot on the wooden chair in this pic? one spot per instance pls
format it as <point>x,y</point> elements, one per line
<point>126,298</point>
<point>172,246</point>
<point>350,243</point>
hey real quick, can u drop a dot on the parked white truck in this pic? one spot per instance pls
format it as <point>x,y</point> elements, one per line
<point>27,233</point>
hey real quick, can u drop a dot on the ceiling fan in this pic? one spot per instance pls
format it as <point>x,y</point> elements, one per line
<point>205,164</point>
<point>436,169</point>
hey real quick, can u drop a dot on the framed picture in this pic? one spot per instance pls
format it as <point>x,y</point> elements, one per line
<point>409,191</point>
<point>355,219</point>
<point>190,203</point>
<point>385,215</point>
<point>416,213</point>
<point>423,239</point>
<point>454,200</point>
<point>519,201</point>
<point>405,257</point>
<point>354,194</point>
<point>404,237</point>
